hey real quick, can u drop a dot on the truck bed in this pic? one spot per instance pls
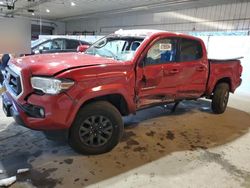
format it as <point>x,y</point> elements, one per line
<point>229,70</point>
<point>225,60</point>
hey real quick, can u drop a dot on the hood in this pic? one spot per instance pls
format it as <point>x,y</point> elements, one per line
<point>50,64</point>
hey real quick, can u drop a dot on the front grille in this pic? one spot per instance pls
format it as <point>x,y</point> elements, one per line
<point>13,81</point>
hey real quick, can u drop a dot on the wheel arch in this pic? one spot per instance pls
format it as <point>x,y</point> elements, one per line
<point>116,99</point>
<point>224,80</point>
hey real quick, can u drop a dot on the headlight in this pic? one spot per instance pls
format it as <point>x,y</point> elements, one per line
<point>51,85</point>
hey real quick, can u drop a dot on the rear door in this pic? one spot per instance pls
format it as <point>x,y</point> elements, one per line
<point>156,76</point>
<point>71,45</point>
<point>58,45</point>
<point>192,71</point>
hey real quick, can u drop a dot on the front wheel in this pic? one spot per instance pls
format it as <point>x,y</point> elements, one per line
<point>97,128</point>
<point>220,98</point>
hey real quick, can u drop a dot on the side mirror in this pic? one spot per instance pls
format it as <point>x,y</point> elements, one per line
<point>82,48</point>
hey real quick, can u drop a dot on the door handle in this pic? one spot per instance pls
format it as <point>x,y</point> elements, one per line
<point>170,72</point>
<point>201,68</point>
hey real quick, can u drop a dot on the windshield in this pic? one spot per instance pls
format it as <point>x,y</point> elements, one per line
<point>115,47</point>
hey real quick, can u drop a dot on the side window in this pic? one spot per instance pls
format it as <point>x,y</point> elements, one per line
<point>190,50</point>
<point>84,43</point>
<point>44,46</point>
<point>72,44</point>
<point>163,51</point>
<point>57,44</point>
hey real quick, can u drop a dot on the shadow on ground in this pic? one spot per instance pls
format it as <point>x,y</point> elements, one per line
<point>150,135</point>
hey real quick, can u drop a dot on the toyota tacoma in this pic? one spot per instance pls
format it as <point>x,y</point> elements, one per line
<point>88,93</point>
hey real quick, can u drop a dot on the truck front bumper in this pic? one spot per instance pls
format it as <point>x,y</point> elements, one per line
<point>10,110</point>
<point>40,112</point>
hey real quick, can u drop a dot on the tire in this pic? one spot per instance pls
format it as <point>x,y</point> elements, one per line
<point>97,129</point>
<point>220,98</point>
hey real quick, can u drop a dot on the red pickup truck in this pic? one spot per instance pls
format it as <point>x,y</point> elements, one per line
<point>88,93</point>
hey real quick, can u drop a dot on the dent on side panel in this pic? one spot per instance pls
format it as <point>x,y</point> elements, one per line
<point>118,80</point>
<point>85,79</point>
<point>92,82</point>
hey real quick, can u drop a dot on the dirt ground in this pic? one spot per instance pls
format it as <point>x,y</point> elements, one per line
<point>191,147</point>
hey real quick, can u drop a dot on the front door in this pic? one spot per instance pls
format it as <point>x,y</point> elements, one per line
<point>157,73</point>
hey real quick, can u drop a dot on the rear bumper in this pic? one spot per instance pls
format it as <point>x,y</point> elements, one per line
<point>55,111</point>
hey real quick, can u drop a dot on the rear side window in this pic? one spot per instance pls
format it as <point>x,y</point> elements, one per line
<point>190,50</point>
<point>57,44</point>
<point>72,44</point>
<point>84,43</point>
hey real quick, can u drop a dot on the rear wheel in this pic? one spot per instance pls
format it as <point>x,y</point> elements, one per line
<point>220,98</point>
<point>97,128</point>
